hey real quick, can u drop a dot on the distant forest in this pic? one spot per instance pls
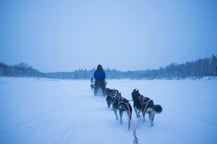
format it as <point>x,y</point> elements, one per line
<point>195,70</point>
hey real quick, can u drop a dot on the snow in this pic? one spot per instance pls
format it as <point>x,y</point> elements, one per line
<point>45,111</point>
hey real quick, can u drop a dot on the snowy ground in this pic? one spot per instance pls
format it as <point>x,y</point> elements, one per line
<point>43,111</point>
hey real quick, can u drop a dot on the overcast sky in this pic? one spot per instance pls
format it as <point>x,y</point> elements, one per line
<point>64,35</point>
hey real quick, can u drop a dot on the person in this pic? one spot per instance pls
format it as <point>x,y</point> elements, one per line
<point>99,76</point>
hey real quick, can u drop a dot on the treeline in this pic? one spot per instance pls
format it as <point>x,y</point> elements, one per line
<point>196,69</point>
<point>20,70</point>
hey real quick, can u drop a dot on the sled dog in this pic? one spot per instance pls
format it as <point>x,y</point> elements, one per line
<point>122,104</point>
<point>145,105</point>
<point>110,95</point>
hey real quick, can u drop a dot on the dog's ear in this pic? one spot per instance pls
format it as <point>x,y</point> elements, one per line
<point>134,91</point>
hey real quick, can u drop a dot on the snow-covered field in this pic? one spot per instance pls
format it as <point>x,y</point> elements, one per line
<point>44,111</point>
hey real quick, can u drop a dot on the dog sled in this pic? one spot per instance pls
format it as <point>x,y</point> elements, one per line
<point>98,87</point>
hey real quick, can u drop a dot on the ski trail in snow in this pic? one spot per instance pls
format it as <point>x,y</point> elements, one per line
<point>63,138</point>
<point>194,117</point>
<point>68,131</point>
<point>22,124</point>
<point>198,118</point>
<point>28,123</point>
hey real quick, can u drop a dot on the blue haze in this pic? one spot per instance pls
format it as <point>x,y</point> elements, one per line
<point>64,35</point>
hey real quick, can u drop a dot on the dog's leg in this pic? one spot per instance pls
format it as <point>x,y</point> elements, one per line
<point>129,124</point>
<point>137,112</point>
<point>108,103</point>
<point>151,114</point>
<point>115,111</point>
<point>129,116</point>
<point>121,115</point>
<point>143,115</point>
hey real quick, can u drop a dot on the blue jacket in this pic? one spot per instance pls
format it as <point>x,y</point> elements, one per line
<point>99,75</point>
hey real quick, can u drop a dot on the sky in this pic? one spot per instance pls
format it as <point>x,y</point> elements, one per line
<point>65,35</point>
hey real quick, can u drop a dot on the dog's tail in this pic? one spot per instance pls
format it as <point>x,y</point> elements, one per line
<point>158,108</point>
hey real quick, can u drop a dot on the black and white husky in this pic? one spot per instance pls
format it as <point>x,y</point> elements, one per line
<point>122,104</point>
<point>110,95</point>
<point>145,105</point>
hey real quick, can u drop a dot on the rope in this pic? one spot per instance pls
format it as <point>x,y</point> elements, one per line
<point>135,141</point>
<point>146,106</point>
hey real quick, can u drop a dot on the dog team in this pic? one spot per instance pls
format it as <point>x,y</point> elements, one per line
<point>141,104</point>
